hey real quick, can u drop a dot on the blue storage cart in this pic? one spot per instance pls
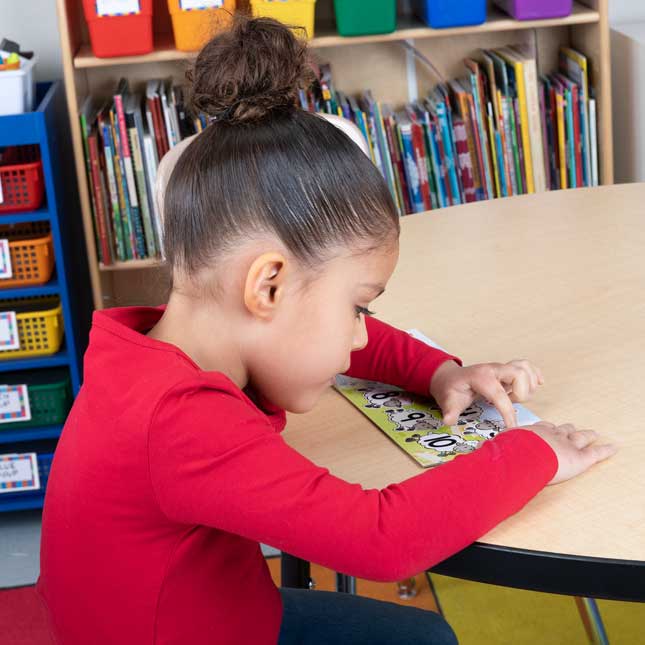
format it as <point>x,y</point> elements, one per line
<point>47,127</point>
<point>441,14</point>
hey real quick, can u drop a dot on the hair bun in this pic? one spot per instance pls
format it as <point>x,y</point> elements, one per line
<point>250,71</point>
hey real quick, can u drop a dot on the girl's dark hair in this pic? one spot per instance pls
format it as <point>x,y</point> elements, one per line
<point>264,164</point>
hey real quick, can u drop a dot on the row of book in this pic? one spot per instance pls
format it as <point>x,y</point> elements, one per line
<point>498,131</point>
<point>124,138</point>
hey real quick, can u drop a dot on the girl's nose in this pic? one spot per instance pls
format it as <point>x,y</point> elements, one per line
<point>360,334</point>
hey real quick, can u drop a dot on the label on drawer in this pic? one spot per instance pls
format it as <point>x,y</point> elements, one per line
<point>19,473</point>
<point>9,338</point>
<point>14,403</point>
<point>188,5</point>
<point>5,260</point>
<point>117,7</point>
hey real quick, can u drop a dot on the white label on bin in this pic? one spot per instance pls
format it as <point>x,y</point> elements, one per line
<point>188,5</point>
<point>19,473</point>
<point>14,403</point>
<point>9,338</point>
<point>5,260</point>
<point>117,7</point>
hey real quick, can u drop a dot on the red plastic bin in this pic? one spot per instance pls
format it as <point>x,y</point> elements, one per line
<point>21,177</point>
<point>120,35</point>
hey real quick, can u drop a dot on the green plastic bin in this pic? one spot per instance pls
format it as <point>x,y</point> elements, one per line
<point>50,397</point>
<point>360,18</point>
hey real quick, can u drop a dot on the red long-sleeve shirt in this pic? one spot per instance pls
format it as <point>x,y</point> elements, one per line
<point>167,477</point>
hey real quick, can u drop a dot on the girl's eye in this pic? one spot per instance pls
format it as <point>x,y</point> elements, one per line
<point>363,310</point>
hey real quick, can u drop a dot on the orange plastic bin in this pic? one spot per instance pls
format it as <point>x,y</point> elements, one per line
<point>128,33</point>
<point>195,22</point>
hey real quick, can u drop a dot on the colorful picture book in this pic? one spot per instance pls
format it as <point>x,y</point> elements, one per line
<point>415,423</point>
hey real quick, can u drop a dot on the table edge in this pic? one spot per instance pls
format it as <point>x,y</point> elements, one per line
<point>549,572</point>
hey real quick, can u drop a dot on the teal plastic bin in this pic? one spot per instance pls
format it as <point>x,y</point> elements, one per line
<point>360,18</point>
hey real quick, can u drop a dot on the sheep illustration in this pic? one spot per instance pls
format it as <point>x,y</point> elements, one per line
<point>446,444</point>
<point>411,419</point>
<point>384,397</point>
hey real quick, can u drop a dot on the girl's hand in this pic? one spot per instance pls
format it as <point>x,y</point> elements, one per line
<point>572,447</point>
<point>454,388</point>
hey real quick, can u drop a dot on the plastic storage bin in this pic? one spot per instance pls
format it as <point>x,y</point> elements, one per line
<point>536,9</point>
<point>40,326</point>
<point>32,253</point>
<point>21,179</point>
<point>17,87</point>
<point>359,18</point>
<point>295,13</point>
<point>50,396</point>
<point>450,13</point>
<point>195,22</point>
<point>127,34</point>
<point>44,466</point>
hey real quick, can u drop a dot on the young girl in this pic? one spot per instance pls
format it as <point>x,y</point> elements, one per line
<point>171,468</point>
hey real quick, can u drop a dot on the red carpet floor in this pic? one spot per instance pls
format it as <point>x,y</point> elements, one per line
<point>22,619</point>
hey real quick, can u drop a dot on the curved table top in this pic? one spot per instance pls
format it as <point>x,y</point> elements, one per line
<point>558,278</point>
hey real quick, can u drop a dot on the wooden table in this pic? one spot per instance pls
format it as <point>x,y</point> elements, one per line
<point>558,278</point>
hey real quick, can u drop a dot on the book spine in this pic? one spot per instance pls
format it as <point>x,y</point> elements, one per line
<point>520,145</point>
<point>464,160</point>
<point>507,154</point>
<point>442,174</point>
<point>411,170</point>
<point>535,126</point>
<point>152,126</point>
<point>397,166</point>
<point>430,163</point>
<point>478,146</point>
<point>593,138</point>
<point>577,139</point>
<point>124,200</point>
<point>422,164</point>
<point>88,166</point>
<point>571,153</point>
<point>149,154</point>
<point>508,142</point>
<point>561,140</point>
<point>385,154</point>
<point>472,148</point>
<point>150,245</point>
<point>447,140</point>
<point>497,167</point>
<point>405,190</point>
<point>545,138</point>
<point>100,220</point>
<point>114,193</point>
<point>483,139</point>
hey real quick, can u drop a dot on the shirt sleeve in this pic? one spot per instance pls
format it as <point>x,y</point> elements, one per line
<point>393,356</point>
<point>215,461</point>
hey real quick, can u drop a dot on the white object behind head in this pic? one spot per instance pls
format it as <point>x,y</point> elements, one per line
<point>170,158</point>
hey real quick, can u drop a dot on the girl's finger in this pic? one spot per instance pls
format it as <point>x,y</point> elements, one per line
<point>582,438</point>
<point>594,453</point>
<point>531,370</point>
<point>518,379</point>
<point>492,390</point>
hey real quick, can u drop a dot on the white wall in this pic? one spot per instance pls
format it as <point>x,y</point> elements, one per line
<point>626,11</point>
<point>34,25</point>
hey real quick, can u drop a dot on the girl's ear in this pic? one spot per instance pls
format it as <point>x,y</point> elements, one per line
<point>264,285</point>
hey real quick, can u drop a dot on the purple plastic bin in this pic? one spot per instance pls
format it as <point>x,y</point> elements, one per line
<point>536,9</point>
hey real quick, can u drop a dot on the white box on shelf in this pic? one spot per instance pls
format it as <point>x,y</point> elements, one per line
<point>628,98</point>
<point>17,87</point>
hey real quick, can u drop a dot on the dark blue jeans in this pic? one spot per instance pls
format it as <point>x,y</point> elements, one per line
<point>330,618</point>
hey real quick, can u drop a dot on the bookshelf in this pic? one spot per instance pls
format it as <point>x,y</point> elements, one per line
<point>379,62</point>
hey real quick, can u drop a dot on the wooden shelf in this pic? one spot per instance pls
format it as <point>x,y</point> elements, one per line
<point>409,29</point>
<point>133,264</point>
